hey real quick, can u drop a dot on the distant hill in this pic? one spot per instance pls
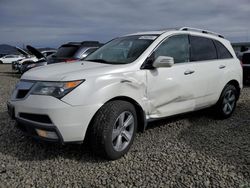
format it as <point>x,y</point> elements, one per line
<point>7,49</point>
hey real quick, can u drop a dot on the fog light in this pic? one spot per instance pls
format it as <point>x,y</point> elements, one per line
<point>47,134</point>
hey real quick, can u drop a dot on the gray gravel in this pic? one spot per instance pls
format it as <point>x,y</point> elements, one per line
<point>194,150</point>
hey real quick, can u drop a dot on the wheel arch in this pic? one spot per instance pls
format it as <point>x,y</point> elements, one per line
<point>236,84</point>
<point>141,117</point>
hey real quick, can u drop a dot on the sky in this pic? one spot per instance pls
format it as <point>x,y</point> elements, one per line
<point>50,23</point>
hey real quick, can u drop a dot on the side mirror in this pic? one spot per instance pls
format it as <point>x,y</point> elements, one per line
<point>163,61</point>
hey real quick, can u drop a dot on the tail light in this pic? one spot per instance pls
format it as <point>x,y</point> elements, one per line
<point>70,60</point>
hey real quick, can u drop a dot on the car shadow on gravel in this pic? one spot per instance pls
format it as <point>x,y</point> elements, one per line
<point>207,113</point>
<point>226,140</point>
<point>14,143</point>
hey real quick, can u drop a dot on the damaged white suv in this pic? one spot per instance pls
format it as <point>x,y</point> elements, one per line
<point>126,83</point>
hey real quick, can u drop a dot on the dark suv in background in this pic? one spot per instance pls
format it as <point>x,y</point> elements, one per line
<point>245,59</point>
<point>74,51</point>
<point>244,56</point>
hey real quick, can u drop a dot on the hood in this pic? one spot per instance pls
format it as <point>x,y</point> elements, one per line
<point>35,52</point>
<point>70,71</point>
<point>22,51</point>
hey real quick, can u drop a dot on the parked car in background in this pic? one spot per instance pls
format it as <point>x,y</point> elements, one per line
<point>74,51</point>
<point>125,84</point>
<point>10,58</point>
<point>66,53</point>
<point>28,57</point>
<point>33,56</point>
<point>246,65</point>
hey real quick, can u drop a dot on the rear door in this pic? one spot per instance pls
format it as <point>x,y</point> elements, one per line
<point>203,53</point>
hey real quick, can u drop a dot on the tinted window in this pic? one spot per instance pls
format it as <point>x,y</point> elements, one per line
<point>66,51</point>
<point>246,58</point>
<point>176,47</point>
<point>222,51</point>
<point>202,49</point>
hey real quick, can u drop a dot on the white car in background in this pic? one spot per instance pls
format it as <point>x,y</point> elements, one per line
<point>125,84</point>
<point>28,58</point>
<point>10,58</point>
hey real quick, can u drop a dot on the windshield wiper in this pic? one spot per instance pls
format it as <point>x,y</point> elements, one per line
<point>98,60</point>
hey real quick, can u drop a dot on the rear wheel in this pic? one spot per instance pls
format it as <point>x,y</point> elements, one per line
<point>113,129</point>
<point>227,102</point>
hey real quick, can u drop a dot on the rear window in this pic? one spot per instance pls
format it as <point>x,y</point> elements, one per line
<point>202,49</point>
<point>222,51</point>
<point>66,51</point>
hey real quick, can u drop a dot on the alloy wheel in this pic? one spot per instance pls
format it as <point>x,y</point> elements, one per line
<point>123,131</point>
<point>228,102</point>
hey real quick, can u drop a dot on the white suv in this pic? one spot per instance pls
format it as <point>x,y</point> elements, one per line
<point>126,83</point>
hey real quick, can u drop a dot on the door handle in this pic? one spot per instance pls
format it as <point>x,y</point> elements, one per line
<point>222,66</point>
<point>187,72</point>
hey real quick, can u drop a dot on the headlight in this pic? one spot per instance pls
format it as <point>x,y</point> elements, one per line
<point>55,89</point>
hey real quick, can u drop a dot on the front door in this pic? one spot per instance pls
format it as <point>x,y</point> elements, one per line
<point>174,90</point>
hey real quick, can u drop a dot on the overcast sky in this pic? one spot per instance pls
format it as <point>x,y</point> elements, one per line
<point>49,23</point>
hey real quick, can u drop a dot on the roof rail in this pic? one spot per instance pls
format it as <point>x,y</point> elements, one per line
<point>200,30</point>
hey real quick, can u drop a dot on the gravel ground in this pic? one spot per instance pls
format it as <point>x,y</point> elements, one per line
<point>193,150</point>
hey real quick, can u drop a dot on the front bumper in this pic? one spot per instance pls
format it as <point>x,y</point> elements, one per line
<point>69,122</point>
<point>29,128</point>
<point>15,65</point>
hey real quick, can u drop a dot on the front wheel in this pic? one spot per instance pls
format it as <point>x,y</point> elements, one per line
<point>113,129</point>
<point>227,102</point>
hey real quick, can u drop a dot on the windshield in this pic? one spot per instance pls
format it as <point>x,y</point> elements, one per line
<point>122,50</point>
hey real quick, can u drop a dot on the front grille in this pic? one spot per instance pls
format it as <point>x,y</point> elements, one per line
<point>22,93</point>
<point>36,117</point>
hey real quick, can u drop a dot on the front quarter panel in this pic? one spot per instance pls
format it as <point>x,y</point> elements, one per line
<point>99,90</point>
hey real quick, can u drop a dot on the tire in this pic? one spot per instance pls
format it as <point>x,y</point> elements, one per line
<point>227,102</point>
<point>110,135</point>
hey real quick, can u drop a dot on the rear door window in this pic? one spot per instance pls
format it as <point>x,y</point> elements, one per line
<point>202,49</point>
<point>222,51</point>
